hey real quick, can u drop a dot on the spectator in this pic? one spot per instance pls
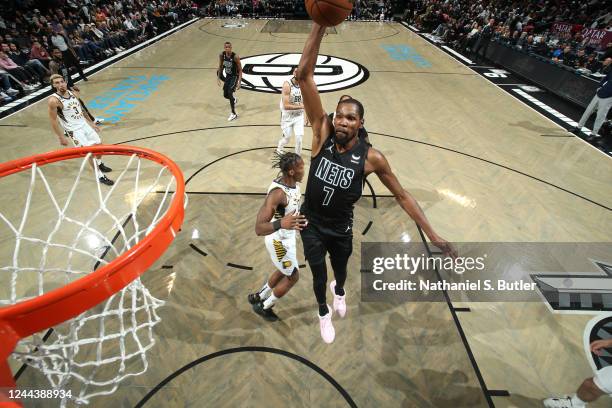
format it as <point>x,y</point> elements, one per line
<point>18,72</point>
<point>593,64</point>
<point>6,86</point>
<point>23,59</point>
<point>39,53</point>
<point>567,58</point>
<point>484,38</point>
<point>608,52</point>
<point>602,101</point>
<point>69,55</point>
<point>580,59</point>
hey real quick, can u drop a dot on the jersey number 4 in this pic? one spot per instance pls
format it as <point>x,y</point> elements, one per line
<point>329,192</point>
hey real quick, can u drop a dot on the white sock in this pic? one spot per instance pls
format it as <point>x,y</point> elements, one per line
<point>577,402</point>
<point>265,291</point>
<point>269,302</point>
<point>98,161</point>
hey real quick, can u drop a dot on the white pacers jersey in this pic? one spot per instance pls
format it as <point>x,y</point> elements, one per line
<point>295,97</point>
<point>71,115</point>
<point>293,195</point>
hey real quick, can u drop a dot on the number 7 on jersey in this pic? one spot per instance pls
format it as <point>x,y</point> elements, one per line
<point>329,192</point>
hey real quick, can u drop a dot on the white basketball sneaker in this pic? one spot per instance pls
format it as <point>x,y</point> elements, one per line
<point>561,402</point>
<point>327,328</point>
<point>231,117</point>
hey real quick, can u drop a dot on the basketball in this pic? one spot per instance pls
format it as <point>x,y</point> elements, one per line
<point>329,13</point>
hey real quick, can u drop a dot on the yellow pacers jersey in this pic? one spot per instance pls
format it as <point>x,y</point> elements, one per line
<point>293,195</point>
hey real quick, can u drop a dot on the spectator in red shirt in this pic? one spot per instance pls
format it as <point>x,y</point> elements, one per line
<point>40,53</point>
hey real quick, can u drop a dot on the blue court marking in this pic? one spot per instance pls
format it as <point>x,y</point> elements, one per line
<point>113,105</point>
<point>401,52</point>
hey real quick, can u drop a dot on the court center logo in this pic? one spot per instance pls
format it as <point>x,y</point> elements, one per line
<point>234,25</point>
<point>267,72</point>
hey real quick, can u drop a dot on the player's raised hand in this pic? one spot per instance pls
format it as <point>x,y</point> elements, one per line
<point>597,345</point>
<point>294,221</point>
<point>446,247</point>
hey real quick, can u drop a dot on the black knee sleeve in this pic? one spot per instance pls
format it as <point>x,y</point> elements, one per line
<point>319,281</point>
<point>339,267</point>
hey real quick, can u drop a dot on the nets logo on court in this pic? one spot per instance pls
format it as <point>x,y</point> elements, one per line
<point>234,25</point>
<point>267,72</point>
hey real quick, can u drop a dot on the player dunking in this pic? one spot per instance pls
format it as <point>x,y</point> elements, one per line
<point>278,219</point>
<point>65,106</point>
<point>340,161</point>
<point>229,62</point>
<point>292,115</point>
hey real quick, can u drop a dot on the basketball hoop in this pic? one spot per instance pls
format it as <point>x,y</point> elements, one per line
<point>31,307</point>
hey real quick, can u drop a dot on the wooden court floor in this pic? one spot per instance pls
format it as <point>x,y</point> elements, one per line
<point>483,166</point>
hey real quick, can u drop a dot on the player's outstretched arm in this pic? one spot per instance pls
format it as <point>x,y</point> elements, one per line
<point>378,164</point>
<point>52,104</point>
<point>264,226</point>
<point>321,126</point>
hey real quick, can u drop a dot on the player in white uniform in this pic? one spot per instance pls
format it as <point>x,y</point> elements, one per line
<point>65,108</point>
<point>292,115</point>
<point>278,219</point>
<point>591,388</point>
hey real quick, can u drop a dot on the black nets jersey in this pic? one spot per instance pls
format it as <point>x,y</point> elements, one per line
<point>335,183</point>
<point>229,64</point>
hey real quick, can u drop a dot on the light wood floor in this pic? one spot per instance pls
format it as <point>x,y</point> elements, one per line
<point>471,155</point>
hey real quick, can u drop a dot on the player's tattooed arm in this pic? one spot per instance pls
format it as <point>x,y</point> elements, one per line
<point>264,225</point>
<point>239,66</point>
<point>377,163</point>
<point>321,125</point>
<point>52,105</point>
<point>87,118</point>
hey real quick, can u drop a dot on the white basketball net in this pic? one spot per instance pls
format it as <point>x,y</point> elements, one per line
<point>93,352</point>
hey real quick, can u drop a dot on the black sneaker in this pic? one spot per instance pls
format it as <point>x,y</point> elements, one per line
<point>267,314</point>
<point>104,169</point>
<point>106,180</point>
<point>254,298</point>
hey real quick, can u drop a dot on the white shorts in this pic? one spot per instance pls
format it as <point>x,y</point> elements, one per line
<point>84,136</point>
<point>295,124</point>
<point>283,253</point>
<point>603,379</point>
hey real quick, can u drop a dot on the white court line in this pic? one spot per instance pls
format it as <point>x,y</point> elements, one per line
<point>113,58</point>
<point>551,110</point>
<point>512,96</point>
<point>414,28</point>
<point>455,53</point>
